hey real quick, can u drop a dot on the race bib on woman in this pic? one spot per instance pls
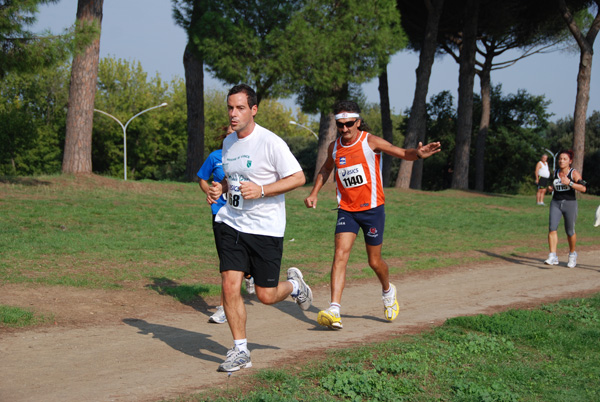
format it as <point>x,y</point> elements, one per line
<point>559,186</point>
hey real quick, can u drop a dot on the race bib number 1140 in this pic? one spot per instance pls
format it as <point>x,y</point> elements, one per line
<point>352,176</point>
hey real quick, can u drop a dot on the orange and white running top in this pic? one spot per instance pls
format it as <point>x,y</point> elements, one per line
<point>358,175</point>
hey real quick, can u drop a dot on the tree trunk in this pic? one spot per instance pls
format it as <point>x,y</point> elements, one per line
<point>386,124</point>
<point>466,78</point>
<point>417,123</point>
<point>327,133</point>
<point>82,92</point>
<point>194,88</point>
<point>584,76</point>
<point>581,105</point>
<point>484,123</point>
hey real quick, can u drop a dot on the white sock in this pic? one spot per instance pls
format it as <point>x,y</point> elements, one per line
<point>242,344</point>
<point>552,255</point>
<point>335,307</point>
<point>296,287</point>
<point>387,292</point>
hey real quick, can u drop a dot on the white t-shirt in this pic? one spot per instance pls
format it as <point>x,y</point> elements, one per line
<point>262,158</point>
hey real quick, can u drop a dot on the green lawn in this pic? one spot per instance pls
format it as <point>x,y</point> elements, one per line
<point>105,233</point>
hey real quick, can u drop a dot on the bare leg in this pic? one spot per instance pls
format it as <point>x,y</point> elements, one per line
<point>379,266</point>
<point>343,246</point>
<point>233,303</point>
<point>553,241</point>
<point>274,295</point>
<point>572,242</point>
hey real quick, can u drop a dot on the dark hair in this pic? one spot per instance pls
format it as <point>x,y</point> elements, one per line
<point>346,106</point>
<point>250,94</point>
<point>568,152</point>
<point>352,107</point>
<point>222,133</point>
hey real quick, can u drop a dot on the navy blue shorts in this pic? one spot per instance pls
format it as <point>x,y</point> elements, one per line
<point>257,255</point>
<point>371,221</point>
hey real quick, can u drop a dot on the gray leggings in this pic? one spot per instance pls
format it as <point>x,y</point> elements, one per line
<point>566,208</point>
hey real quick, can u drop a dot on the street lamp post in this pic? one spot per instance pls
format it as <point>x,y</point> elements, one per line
<point>124,127</point>
<point>553,158</point>
<point>298,124</point>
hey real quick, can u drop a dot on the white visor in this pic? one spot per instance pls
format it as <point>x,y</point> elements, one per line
<point>346,116</point>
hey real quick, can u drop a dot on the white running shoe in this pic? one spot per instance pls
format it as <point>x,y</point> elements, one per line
<point>236,359</point>
<point>304,297</point>
<point>552,260</point>
<point>250,285</point>
<point>597,223</point>
<point>219,316</point>
<point>572,259</point>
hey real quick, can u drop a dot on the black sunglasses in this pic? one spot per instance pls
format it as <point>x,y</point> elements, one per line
<point>347,124</point>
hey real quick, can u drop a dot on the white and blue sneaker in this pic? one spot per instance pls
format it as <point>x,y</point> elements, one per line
<point>552,259</point>
<point>304,297</point>
<point>236,359</point>
<point>572,259</point>
<point>219,316</point>
<point>250,285</point>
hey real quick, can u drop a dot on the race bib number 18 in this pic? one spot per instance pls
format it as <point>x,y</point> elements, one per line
<point>234,195</point>
<point>352,176</point>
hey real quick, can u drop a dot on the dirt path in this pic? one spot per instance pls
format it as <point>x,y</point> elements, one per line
<point>118,346</point>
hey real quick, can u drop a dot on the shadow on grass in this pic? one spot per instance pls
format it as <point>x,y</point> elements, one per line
<point>191,343</point>
<point>24,181</point>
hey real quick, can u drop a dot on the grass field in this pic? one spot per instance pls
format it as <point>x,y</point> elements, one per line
<point>98,232</point>
<point>95,232</point>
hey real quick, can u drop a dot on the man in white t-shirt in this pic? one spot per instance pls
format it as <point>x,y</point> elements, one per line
<point>259,168</point>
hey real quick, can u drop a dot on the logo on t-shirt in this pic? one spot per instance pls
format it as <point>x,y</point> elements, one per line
<point>248,163</point>
<point>343,160</point>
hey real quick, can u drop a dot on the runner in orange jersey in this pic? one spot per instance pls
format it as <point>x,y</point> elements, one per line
<point>356,157</point>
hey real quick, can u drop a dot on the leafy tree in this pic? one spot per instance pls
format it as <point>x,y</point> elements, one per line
<point>21,49</point>
<point>413,14</point>
<point>194,17</point>
<point>78,141</point>
<point>441,126</point>
<point>244,44</point>
<point>586,46</point>
<point>559,136</point>
<point>339,45</point>
<point>155,140</point>
<point>32,120</point>
<point>515,139</point>
<point>517,30</point>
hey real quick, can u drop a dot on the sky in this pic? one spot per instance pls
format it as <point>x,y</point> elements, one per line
<point>144,31</point>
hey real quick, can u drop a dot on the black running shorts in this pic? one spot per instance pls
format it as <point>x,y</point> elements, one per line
<point>257,255</point>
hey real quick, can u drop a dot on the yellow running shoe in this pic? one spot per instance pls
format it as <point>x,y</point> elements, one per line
<point>390,304</point>
<point>330,318</point>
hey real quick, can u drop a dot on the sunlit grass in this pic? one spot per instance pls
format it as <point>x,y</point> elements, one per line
<point>98,232</point>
